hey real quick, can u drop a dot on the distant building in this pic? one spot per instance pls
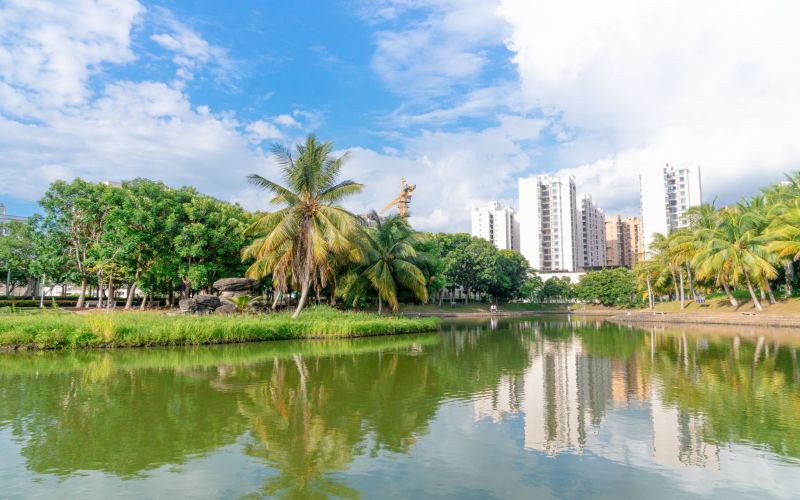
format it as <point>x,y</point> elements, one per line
<point>592,248</point>
<point>624,241</point>
<point>665,194</point>
<point>5,218</point>
<point>549,223</point>
<point>497,224</point>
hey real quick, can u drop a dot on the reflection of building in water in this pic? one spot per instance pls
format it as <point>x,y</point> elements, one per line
<point>565,396</point>
<point>566,393</point>
<point>501,401</point>
<point>677,437</point>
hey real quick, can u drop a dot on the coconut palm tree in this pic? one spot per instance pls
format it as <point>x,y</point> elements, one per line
<point>662,253</point>
<point>296,241</point>
<point>704,222</point>
<point>737,250</point>
<point>389,262</point>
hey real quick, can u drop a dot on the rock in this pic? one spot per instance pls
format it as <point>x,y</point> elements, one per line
<point>225,309</point>
<point>235,285</point>
<point>200,304</point>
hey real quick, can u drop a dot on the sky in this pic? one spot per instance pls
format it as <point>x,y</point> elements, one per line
<point>460,97</point>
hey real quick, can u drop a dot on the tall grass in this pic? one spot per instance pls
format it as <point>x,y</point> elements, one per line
<point>54,330</point>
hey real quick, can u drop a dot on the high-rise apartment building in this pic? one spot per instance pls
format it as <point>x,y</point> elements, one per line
<point>624,241</point>
<point>497,224</point>
<point>5,218</point>
<point>592,247</point>
<point>665,194</point>
<point>549,223</point>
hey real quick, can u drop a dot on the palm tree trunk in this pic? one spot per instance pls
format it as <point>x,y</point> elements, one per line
<point>380,303</point>
<point>683,291</point>
<point>303,295</point>
<point>752,292</point>
<point>674,281</point>
<point>769,291</point>
<point>649,293</point>
<point>276,297</point>
<point>731,298</point>
<point>789,271</point>
<point>691,281</point>
<point>144,303</point>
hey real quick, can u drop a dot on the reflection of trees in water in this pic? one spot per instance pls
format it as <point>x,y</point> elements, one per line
<point>310,417</point>
<point>306,414</point>
<point>727,388</point>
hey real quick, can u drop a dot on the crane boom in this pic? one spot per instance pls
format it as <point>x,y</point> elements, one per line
<point>403,200</point>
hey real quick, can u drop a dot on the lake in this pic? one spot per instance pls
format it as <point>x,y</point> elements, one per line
<point>512,408</point>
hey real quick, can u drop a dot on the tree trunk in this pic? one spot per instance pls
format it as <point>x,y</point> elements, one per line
<point>761,293</point>
<point>683,294</point>
<point>41,294</point>
<point>144,303</point>
<point>8,281</point>
<point>752,293</point>
<point>466,297</point>
<point>731,298</point>
<point>649,294</point>
<point>111,302</point>
<point>789,271</point>
<point>769,291</point>
<point>674,282</point>
<point>691,281</point>
<point>129,300</point>
<point>277,297</point>
<point>303,296</point>
<point>82,296</point>
<point>171,297</point>
<point>380,303</point>
<point>100,294</point>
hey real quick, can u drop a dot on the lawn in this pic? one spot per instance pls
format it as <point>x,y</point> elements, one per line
<point>55,330</point>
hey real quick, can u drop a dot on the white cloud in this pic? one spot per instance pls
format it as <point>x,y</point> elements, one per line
<point>287,121</point>
<point>49,50</point>
<point>261,130</point>
<point>191,50</point>
<point>711,83</point>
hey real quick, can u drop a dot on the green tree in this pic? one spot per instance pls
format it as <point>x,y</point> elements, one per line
<point>506,278</point>
<point>389,262</point>
<point>300,237</point>
<point>610,287</point>
<point>17,252</point>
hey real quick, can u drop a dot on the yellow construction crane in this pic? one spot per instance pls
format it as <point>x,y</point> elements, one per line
<point>403,200</point>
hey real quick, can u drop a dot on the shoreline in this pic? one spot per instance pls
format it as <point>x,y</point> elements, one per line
<point>727,318</point>
<point>506,314</point>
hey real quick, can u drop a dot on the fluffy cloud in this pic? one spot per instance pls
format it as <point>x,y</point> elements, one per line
<point>710,83</point>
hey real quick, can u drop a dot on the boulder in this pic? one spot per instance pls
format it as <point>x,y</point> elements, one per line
<point>225,309</point>
<point>241,285</point>
<point>258,305</point>
<point>200,304</point>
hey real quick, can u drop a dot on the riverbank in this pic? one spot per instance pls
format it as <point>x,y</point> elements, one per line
<point>481,310</point>
<point>708,318</point>
<point>61,330</point>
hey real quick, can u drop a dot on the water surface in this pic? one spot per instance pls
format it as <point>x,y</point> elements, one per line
<point>517,408</point>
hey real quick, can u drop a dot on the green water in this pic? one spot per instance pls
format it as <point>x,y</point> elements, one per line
<point>520,408</point>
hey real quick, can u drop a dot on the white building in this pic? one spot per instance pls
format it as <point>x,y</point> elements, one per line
<point>549,223</point>
<point>664,196</point>
<point>5,218</point>
<point>592,248</point>
<point>497,224</point>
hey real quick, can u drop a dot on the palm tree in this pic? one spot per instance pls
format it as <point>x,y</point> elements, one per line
<point>737,250</point>
<point>661,248</point>
<point>389,261</point>
<point>296,241</point>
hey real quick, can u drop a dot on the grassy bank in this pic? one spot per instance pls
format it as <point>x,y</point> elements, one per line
<point>56,330</point>
<point>720,304</point>
<point>484,308</point>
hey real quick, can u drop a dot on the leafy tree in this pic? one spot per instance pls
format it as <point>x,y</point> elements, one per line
<point>610,287</point>
<point>17,252</point>
<point>557,288</point>
<point>508,275</point>
<point>298,239</point>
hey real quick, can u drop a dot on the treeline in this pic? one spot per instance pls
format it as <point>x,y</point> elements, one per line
<point>143,235</point>
<point>750,246</point>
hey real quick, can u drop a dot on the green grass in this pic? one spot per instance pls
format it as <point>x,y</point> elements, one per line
<point>483,307</point>
<point>57,330</point>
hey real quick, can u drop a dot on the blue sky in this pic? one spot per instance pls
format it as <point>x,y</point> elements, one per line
<point>462,97</point>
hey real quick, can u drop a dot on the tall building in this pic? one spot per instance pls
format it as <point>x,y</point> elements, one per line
<point>497,224</point>
<point>624,241</point>
<point>5,218</point>
<point>665,195</point>
<point>592,248</point>
<point>549,223</point>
